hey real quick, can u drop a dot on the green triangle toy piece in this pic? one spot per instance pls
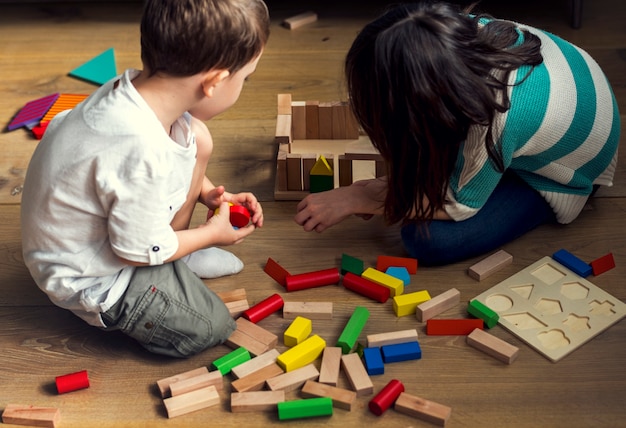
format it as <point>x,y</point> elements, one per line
<point>98,70</point>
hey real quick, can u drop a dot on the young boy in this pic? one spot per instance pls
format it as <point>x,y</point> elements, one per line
<point>111,188</point>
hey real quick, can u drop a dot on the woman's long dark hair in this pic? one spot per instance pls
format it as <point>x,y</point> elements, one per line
<point>418,77</point>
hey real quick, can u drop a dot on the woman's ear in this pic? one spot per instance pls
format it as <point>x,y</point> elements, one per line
<point>211,79</point>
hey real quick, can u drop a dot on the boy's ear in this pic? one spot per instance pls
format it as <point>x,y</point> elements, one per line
<point>212,79</point>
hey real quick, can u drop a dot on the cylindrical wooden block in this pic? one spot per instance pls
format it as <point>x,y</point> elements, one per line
<point>365,287</point>
<point>239,216</point>
<point>72,382</point>
<point>312,279</point>
<point>264,308</point>
<point>386,397</point>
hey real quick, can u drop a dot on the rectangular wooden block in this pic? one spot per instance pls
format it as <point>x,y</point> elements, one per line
<point>297,332</point>
<point>312,120</point>
<point>259,333</point>
<point>284,104</point>
<point>572,262</point>
<point>283,129</point>
<point>298,120</point>
<point>235,300</point>
<point>453,327</point>
<point>342,398</point>
<point>256,363</point>
<point>357,375</point>
<point>255,401</point>
<point>255,381</point>
<point>294,172</point>
<point>184,386</point>
<point>325,114</point>
<point>437,305</point>
<point>310,310</point>
<point>406,304</point>
<point>331,362</point>
<point>603,264</point>
<point>395,285</point>
<point>281,168</point>
<point>236,308</point>
<point>276,271</point>
<point>308,161</point>
<point>299,20</point>
<point>339,120</point>
<point>293,379</point>
<point>391,338</point>
<point>345,171</point>
<point>353,328</point>
<point>492,345</point>
<point>191,401</point>
<point>19,414</point>
<point>164,384</point>
<point>401,352</point>
<point>490,265</point>
<point>302,354</point>
<point>420,408</point>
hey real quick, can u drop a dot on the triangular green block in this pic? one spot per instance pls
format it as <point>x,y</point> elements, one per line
<point>98,70</point>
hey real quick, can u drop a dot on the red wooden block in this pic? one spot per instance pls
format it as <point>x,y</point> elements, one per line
<point>365,287</point>
<point>264,308</point>
<point>386,397</point>
<point>603,264</point>
<point>239,216</point>
<point>39,130</point>
<point>384,262</point>
<point>72,382</point>
<point>312,279</point>
<point>453,327</point>
<point>276,271</point>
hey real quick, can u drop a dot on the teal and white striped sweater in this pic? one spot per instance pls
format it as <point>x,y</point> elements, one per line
<point>560,135</point>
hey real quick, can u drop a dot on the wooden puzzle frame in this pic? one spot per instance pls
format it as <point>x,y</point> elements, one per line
<point>306,130</point>
<point>552,309</point>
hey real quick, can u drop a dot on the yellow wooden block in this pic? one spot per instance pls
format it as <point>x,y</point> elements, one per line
<point>299,329</point>
<point>395,285</point>
<point>322,167</point>
<point>302,354</point>
<point>406,304</point>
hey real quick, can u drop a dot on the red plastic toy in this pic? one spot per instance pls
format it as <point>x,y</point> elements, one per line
<point>72,382</point>
<point>386,397</point>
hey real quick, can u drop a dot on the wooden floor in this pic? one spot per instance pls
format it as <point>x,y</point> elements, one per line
<point>41,43</point>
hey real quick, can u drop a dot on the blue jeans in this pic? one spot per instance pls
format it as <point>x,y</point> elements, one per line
<point>513,209</point>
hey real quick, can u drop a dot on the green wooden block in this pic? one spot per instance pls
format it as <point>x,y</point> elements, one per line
<point>321,183</point>
<point>226,363</point>
<point>306,408</point>
<point>353,328</point>
<point>483,312</point>
<point>351,264</point>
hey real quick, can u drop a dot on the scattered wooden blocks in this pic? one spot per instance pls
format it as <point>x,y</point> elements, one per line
<point>306,408</point>
<point>312,279</point>
<point>191,401</point>
<point>342,398</point>
<point>164,384</point>
<point>353,329</point>
<point>366,287</point>
<point>385,262</point>
<point>401,352</point>
<point>297,332</point>
<point>573,263</point>
<point>391,338</point>
<point>276,271</point>
<point>437,305</point>
<point>373,360</point>
<point>235,300</point>
<point>490,265</point>
<point>300,20</point>
<point>293,379</point>
<point>351,264</point>
<point>203,380</point>
<point>302,354</point>
<point>453,327</point>
<point>482,311</point>
<point>386,397</point>
<point>357,375</point>
<point>310,310</point>
<point>329,369</point>
<point>255,401</point>
<point>254,338</point>
<point>256,363</point>
<point>264,308</point>
<point>603,264</point>
<point>406,304</point>
<point>395,285</point>
<point>226,363</point>
<point>256,380</point>
<point>492,345</point>
<point>423,409</point>
<point>19,414</point>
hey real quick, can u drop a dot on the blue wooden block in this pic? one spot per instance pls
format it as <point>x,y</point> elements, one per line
<point>573,263</point>
<point>373,361</point>
<point>401,352</point>
<point>400,273</point>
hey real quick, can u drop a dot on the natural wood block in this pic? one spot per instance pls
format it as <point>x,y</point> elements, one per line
<point>164,384</point>
<point>298,120</point>
<point>281,168</point>
<point>357,375</point>
<point>294,379</point>
<point>331,363</point>
<point>312,120</point>
<point>345,171</point>
<point>255,381</point>
<point>325,116</point>
<point>294,172</point>
<point>232,295</point>
<point>308,162</point>
<point>184,386</point>
<point>238,307</point>
<point>339,120</point>
<point>310,310</point>
<point>239,339</point>
<point>391,338</point>
<point>438,304</point>
<point>256,363</point>
<point>490,265</point>
<point>342,398</point>
<point>420,408</point>
<point>255,401</point>
<point>298,21</point>
<point>283,129</point>
<point>284,104</point>
<point>352,126</point>
<point>492,345</point>
<point>19,414</point>
<point>191,401</point>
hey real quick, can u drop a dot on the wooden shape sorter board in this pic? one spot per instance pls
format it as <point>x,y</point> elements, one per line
<point>551,308</point>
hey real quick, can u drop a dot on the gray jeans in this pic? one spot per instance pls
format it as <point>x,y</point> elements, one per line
<point>170,311</point>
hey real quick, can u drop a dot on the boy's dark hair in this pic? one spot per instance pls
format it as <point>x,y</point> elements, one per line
<point>418,77</point>
<point>186,37</point>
